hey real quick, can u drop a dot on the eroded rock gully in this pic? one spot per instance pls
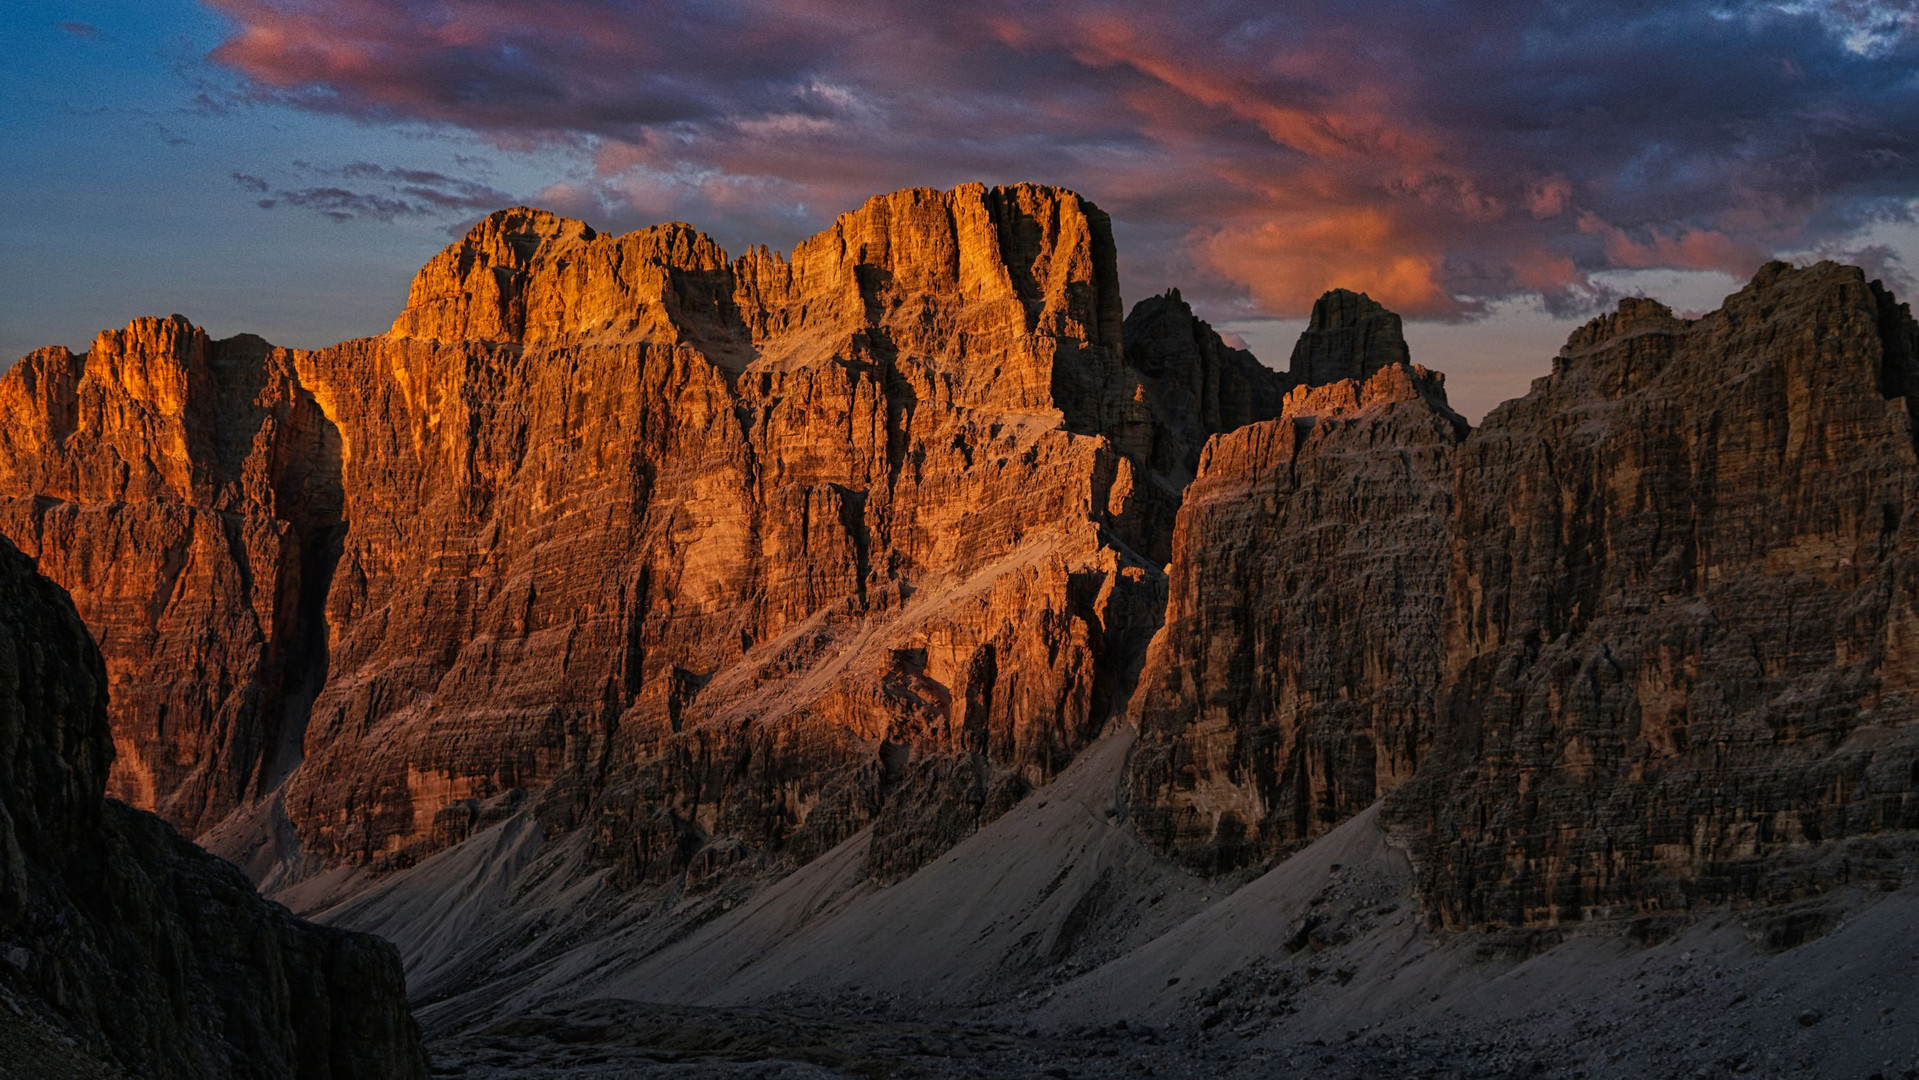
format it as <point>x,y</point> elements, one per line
<point>187,493</point>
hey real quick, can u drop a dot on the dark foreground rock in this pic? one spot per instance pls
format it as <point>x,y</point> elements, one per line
<point>125,949</point>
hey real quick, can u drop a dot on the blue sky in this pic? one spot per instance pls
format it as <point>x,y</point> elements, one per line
<point>1497,171</point>
<point>120,146</point>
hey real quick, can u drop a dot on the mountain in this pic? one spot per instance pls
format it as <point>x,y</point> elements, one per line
<point>898,626</point>
<point>1636,645</point>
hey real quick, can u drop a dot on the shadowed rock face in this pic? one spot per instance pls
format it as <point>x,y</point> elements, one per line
<point>1294,681</point>
<point>1642,641</point>
<point>702,554</point>
<point>1680,660</point>
<point>1204,385</point>
<point>1349,336</point>
<point>152,955</point>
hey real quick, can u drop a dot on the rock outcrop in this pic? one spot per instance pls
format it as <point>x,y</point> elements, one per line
<point>1294,682</point>
<point>144,953</point>
<point>1349,336</point>
<point>1680,662</point>
<point>697,554</point>
<point>1202,384</point>
<point>1640,642</point>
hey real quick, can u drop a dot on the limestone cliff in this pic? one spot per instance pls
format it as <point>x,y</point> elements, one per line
<point>186,492</point>
<point>1680,661</point>
<point>706,563</point>
<point>1203,385</point>
<point>1640,642</point>
<point>704,554</point>
<point>1294,681</point>
<point>149,955</point>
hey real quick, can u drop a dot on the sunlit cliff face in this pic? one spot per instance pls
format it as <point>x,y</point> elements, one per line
<point>1440,156</point>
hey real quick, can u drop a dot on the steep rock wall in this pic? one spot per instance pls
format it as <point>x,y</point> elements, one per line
<point>1679,629</point>
<point>711,555</point>
<point>1294,681</point>
<point>186,492</point>
<point>150,954</point>
<point>1640,642</point>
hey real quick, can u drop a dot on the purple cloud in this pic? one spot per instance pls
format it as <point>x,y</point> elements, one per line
<point>395,193</point>
<point>1442,156</point>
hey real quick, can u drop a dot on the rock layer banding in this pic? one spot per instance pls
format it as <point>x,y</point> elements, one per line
<point>684,548</point>
<point>713,562</point>
<point>1640,642</point>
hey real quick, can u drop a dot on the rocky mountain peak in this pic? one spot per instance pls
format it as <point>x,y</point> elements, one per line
<point>527,276</point>
<point>1636,316</point>
<point>1349,336</point>
<point>1199,383</point>
<point>622,561</point>
<point>1025,274</point>
<point>840,494</point>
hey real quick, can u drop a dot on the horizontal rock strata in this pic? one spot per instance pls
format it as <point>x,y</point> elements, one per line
<point>709,563</point>
<point>1640,642</point>
<point>705,554</point>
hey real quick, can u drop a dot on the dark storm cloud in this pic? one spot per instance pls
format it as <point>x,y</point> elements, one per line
<point>1440,155</point>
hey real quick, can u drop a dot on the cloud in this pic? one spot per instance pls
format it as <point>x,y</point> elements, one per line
<point>382,193</point>
<point>1444,155</point>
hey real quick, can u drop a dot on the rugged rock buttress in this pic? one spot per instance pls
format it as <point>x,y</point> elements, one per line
<point>142,952</point>
<point>1641,642</point>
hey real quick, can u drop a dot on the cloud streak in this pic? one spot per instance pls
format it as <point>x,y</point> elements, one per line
<point>381,193</point>
<point>1444,156</point>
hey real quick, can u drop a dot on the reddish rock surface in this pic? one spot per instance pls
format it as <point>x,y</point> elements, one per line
<point>186,493</point>
<point>712,562</point>
<point>685,548</point>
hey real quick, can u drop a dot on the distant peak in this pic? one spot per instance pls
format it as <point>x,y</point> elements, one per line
<point>1344,307</point>
<point>1635,316</point>
<point>1350,336</point>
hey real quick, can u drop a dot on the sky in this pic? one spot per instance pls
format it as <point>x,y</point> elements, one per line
<point>1496,171</point>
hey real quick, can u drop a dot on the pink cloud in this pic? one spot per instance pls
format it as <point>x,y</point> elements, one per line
<point>1440,156</point>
